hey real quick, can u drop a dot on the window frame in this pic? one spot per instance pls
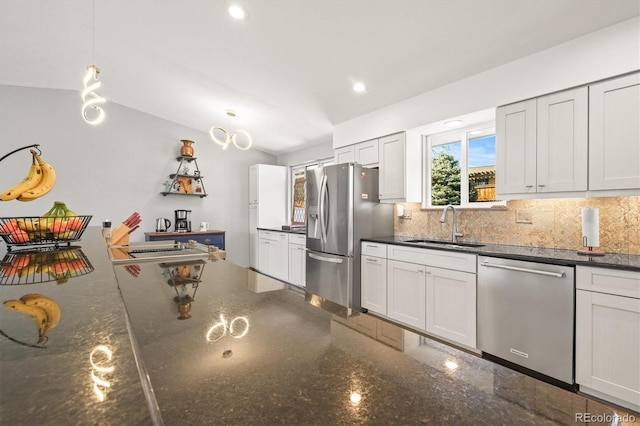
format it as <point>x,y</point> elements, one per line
<point>463,136</point>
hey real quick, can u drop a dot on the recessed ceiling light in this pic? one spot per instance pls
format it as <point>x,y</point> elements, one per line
<point>452,123</point>
<point>237,12</point>
<point>359,87</point>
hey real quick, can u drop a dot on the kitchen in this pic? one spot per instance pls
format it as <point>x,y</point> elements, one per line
<point>136,140</point>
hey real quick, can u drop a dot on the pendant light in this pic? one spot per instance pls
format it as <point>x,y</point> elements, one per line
<point>227,139</point>
<point>92,113</point>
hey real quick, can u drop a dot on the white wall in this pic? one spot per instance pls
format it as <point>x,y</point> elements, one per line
<point>612,51</point>
<point>112,170</point>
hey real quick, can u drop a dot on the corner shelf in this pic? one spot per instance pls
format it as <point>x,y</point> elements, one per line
<point>175,176</point>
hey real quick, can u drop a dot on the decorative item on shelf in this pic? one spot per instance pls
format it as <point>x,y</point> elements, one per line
<point>185,185</point>
<point>182,181</point>
<point>186,150</point>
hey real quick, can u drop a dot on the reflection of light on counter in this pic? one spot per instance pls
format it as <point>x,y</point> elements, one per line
<point>451,365</point>
<point>355,398</point>
<point>236,330</point>
<point>101,367</point>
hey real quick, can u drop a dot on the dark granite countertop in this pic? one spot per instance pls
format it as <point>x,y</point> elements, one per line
<point>532,254</point>
<point>245,356</point>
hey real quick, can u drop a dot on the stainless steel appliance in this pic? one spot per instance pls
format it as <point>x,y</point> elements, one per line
<point>342,207</point>
<point>162,224</point>
<point>526,315</point>
<point>183,220</point>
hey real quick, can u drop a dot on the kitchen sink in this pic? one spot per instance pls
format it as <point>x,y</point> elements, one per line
<point>445,243</point>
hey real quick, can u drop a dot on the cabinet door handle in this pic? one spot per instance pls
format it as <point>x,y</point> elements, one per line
<point>541,186</point>
<point>371,260</point>
<point>207,240</point>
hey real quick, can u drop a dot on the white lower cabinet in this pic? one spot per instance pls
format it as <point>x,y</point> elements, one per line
<point>297,260</point>
<point>608,334</point>
<point>373,276</point>
<point>451,305</point>
<point>430,290</point>
<point>406,289</point>
<point>273,255</point>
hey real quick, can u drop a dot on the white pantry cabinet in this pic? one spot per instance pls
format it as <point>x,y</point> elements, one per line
<point>297,260</point>
<point>541,144</point>
<point>451,305</point>
<point>614,132</point>
<point>608,334</point>
<point>373,277</point>
<point>273,256</point>
<point>406,293</point>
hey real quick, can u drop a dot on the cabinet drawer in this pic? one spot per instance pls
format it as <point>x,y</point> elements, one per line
<point>611,281</point>
<point>463,262</point>
<point>272,235</point>
<point>374,249</point>
<point>297,239</point>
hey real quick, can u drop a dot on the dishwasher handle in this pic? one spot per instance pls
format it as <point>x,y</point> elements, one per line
<point>515,268</point>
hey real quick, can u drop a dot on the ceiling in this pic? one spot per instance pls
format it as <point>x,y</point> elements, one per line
<point>288,69</point>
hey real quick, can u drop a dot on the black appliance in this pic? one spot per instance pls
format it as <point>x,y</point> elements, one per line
<point>183,221</point>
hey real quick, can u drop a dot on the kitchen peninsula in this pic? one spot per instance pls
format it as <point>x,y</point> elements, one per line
<point>239,355</point>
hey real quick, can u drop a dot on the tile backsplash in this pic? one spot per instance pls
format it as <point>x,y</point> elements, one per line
<point>549,223</point>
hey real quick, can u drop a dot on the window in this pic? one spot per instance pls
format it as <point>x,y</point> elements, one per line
<point>461,168</point>
<point>298,189</point>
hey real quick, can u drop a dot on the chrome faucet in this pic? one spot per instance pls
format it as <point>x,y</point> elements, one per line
<point>454,227</point>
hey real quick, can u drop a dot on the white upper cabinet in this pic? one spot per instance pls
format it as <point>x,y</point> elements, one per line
<point>346,154</point>
<point>614,132</point>
<point>365,153</point>
<point>392,171</point>
<point>562,141</point>
<point>516,148</point>
<point>542,144</point>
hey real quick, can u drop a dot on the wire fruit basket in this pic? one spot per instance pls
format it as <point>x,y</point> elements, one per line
<point>43,264</point>
<point>52,230</point>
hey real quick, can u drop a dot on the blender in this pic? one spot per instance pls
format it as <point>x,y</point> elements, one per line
<point>183,221</point>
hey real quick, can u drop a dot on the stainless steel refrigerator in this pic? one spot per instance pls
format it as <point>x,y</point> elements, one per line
<point>342,207</point>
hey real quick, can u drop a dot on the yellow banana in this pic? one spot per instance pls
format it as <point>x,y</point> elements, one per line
<point>50,306</point>
<point>25,272</point>
<point>38,314</point>
<point>31,181</point>
<point>46,183</point>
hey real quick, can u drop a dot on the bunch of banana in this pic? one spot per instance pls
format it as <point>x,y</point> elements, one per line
<point>60,220</point>
<point>44,311</point>
<point>39,181</point>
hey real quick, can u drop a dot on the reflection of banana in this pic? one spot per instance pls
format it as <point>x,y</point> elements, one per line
<point>50,306</point>
<point>28,270</point>
<point>37,313</point>
<point>31,181</point>
<point>46,182</point>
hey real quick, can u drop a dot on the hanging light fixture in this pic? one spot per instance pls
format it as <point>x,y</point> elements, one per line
<point>228,138</point>
<point>92,113</point>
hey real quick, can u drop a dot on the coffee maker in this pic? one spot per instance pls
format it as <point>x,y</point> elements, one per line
<point>183,221</point>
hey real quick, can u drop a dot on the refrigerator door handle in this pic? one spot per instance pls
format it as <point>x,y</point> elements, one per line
<point>323,217</point>
<point>325,259</point>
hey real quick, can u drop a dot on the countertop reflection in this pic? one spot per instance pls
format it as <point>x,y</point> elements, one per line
<point>218,347</point>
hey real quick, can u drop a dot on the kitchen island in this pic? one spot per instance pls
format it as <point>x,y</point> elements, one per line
<point>217,349</point>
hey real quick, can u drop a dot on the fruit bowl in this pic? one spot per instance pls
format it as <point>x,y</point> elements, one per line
<point>43,264</point>
<point>50,230</point>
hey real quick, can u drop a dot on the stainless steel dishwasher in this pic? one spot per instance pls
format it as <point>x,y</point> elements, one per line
<point>526,316</point>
